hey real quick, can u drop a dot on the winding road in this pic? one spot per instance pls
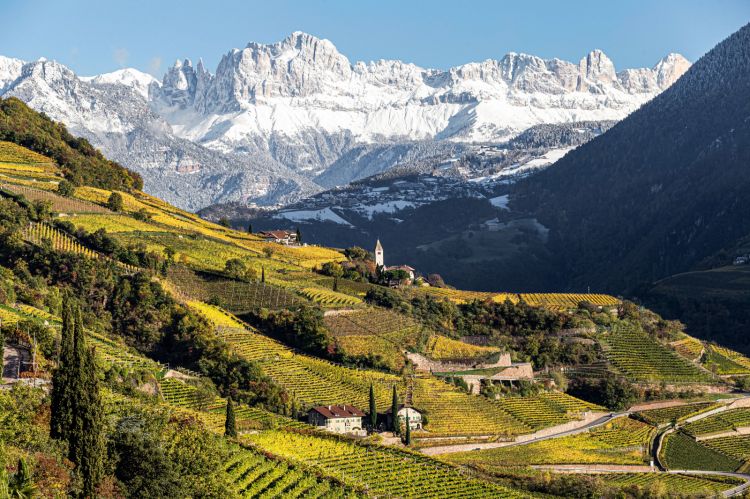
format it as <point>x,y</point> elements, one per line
<point>550,433</point>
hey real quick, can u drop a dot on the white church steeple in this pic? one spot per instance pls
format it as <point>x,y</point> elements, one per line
<point>379,258</point>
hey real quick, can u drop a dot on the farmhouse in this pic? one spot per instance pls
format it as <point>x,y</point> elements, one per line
<point>404,412</point>
<point>409,270</point>
<point>336,418</point>
<point>279,236</point>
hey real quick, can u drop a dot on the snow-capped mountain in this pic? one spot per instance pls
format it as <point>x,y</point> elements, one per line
<point>112,111</point>
<point>291,113</point>
<point>129,77</point>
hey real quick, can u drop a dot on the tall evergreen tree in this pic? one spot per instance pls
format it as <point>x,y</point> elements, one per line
<point>78,414</point>
<point>299,236</point>
<point>262,274</point>
<point>230,425</point>
<point>373,409</point>
<point>394,411</point>
<point>62,398</point>
<point>249,228</point>
<point>407,438</point>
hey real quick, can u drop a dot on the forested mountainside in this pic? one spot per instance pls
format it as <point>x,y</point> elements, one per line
<point>214,349</point>
<point>81,162</point>
<point>660,191</point>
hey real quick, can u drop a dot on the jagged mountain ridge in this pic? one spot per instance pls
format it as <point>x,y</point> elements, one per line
<point>278,122</point>
<point>112,113</point>
<point>302,82</point>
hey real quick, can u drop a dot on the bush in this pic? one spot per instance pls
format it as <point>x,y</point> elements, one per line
<point>115,202</point>
<point>65,188</point>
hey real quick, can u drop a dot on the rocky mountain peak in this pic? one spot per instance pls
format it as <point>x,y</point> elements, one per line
<point>597,68</point>
<point>670,68</point>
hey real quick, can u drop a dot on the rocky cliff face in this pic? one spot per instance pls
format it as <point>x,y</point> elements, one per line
<point>274,117</point>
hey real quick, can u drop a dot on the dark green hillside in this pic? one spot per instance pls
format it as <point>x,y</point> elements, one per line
<point>81,162</point>
<point>663,189</point>
<point>715,303</point>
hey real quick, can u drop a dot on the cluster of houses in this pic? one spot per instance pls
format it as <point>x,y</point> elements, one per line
<point>347,419</point>
<point>742,260</point>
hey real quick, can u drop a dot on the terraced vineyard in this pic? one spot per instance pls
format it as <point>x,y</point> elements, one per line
<point>382,471</point>
<point>36,233</point>
<point>622,441</point>
<point>59,204</point>
<point>681,452</point>
<point>677,413</point>
<point>446,349</point>
<point>690,348</point>
<point>109,351</point>
<point>641,358</point>
<point>330,298</point>
<point>732,355</point>
<point>723,361</point>
<point>374,331</point>
<point>256,475</point>
<point>545,409</point>
<point>566,301</point>
<point>238,296</point>
<point>721,422</point>
<point>735,447</point>
<point>452,412</point>
<point>673,482</point>
<point>13,153</point>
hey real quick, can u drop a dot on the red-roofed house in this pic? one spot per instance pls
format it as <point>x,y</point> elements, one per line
<point>279,236</point>
<point>336,418</point>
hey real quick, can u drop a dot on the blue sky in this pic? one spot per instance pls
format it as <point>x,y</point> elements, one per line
<point>96,36</point>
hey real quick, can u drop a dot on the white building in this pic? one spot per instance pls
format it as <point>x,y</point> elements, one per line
<point>336,418</point>
<point>379,257</point>
<point>404,412</point>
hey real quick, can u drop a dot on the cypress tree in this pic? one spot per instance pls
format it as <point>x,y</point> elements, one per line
<point>62,398</point>
<point>230,425</point>
<point>299,236</point>
<point>78,414</point>
<point>249,228</point>
<point>373,409</point>
<point>407,439</point>
<point>262,274</point>
<point>394,411</point>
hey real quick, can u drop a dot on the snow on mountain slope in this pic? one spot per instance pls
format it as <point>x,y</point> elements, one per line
<point>112,113</point>
<point>137,80</point>
<point>10,69</point>
<point>278,121</point>
<point>303,83</point>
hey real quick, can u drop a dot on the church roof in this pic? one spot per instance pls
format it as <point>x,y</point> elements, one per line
<point>378,246</point>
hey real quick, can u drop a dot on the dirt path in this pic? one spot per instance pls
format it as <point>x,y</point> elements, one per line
<point>563,430</point>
